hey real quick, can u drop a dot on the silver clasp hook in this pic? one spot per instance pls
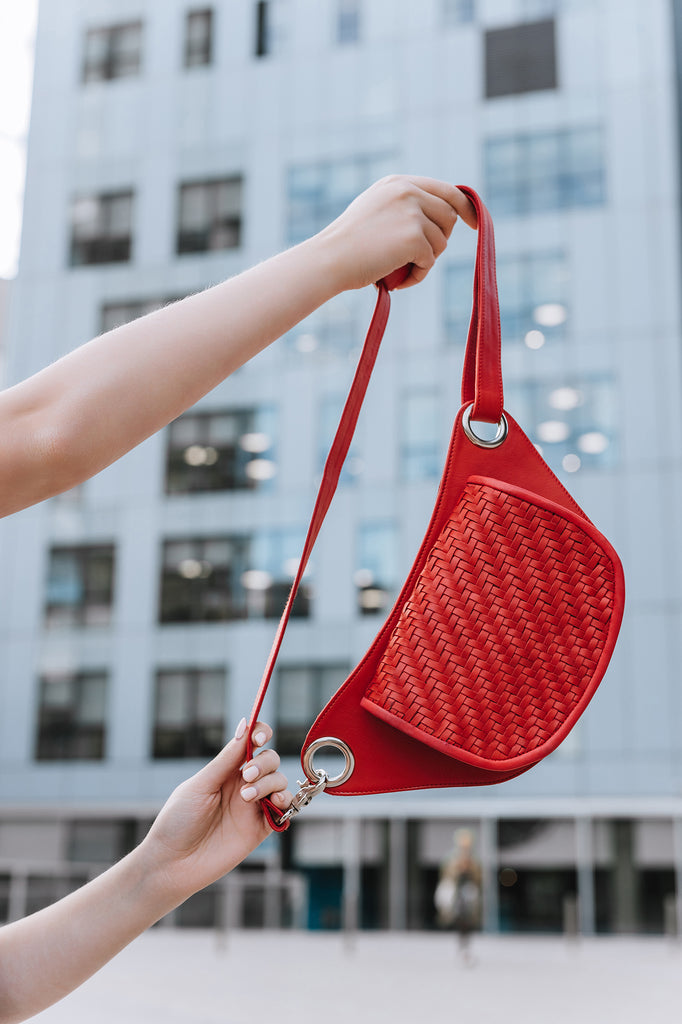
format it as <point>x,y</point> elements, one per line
<point>321,781</point>
<point>308,790</point>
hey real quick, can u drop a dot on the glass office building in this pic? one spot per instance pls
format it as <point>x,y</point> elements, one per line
<point>173,145</point>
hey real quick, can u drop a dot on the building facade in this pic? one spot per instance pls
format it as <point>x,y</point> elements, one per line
<point>173,145</point>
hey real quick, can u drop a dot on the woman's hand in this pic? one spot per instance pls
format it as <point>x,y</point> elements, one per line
<point>214,819</point>
<point>399,220</point>
<point>209,824</point>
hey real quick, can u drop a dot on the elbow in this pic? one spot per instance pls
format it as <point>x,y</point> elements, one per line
<point>37,462</point>
<point>58,459</point>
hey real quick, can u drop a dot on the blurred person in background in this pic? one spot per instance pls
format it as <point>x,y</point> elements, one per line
<point>458,893</point>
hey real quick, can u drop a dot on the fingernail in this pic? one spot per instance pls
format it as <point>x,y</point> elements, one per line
<point>249,792</point>
<point>250,773</point>
<point>259,739</point>
<point>241,729</point>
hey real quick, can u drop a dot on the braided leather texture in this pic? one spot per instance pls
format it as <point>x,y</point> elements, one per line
<point>502,633</point>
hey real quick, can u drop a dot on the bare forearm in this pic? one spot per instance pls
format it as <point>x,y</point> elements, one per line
<point>107,396</point>
<point>45,956</point>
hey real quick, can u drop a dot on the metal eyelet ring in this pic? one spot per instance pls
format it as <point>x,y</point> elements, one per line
<point>329,741</point>
<point>495,442</point>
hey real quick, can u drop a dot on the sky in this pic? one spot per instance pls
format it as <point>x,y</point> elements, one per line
<point>17,32</point>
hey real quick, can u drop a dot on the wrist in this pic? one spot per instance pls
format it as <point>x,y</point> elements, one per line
<point>331,261</point>
<point>154,879</point>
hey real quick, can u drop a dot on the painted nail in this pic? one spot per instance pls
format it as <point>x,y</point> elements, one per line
<point>259,739</point>
<point>250,773</point>
<point>249,792</point>
<point>241,729</point>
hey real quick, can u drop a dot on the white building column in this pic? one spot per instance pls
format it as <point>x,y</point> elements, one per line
<point>584,850</point>
<point>350,910</point>
<point>677,857</point>
<point>397,874</point>
<point>488,852</point>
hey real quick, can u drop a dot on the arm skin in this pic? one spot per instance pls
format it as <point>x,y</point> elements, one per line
<point>83,412</point>
<point>208,825</point>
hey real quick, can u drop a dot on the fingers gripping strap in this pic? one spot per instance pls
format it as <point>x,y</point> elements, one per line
<point>330,479</point>
<point>482,377</point>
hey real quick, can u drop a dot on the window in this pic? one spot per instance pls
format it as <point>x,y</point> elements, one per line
<point>210,215</point>
<point>271,24</point>
<point>572,422</point>
<point>115,314</point>
<point>101,842</point>
<point>198,38</point>
<point>189,712</point>
<point>421,454</point>
<point>533,290</point>
<point>376,566</point>
<point>72,717</point>
<point>262,26</point>
<point>302,692</point>
<point>112,52</point>
<point>220,451</point>
<point>80,586</point>
<point>275,557</point>
<point>347,21</point>
<point>101,228</point>
<point>545,171</point>
<point>202,579</point>
<point>317,193</point>
<point>457,12</point>
<point>521,58</point>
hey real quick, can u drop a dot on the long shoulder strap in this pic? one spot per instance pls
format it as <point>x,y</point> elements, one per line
<point>330,479</point>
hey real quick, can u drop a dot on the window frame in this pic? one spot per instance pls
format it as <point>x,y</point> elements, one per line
<point>518,184</point>
<point>191,740</point>
<point>107,246</point>
<point>225,468</point>
<point>197,240</point>
<point>289,736</point>
<point>190,48</point>
<point>50,744</point>
<point>110,61</point>
<point>526,53</point>
<point>82,609</point>
<point>230,602</point>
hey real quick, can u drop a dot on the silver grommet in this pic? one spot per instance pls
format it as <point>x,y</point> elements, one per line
<point>329,741</point>
<point>495,442</point>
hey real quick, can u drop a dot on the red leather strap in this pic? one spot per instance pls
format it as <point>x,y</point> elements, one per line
<point>482,377</point>
<point>330,479</point>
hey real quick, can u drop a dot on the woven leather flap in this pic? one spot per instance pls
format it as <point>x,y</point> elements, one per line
<point>507,631</point>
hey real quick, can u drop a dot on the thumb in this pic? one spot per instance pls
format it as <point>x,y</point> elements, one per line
<point>230,759</point>
<point>227,762</point>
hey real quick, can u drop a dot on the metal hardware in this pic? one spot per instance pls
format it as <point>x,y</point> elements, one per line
<point>495,442</point>
<point>308,790</point>
<point>318,780</point>
<point>329,741</point>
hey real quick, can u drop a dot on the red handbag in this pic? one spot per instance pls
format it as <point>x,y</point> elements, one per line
<point>507,620</point>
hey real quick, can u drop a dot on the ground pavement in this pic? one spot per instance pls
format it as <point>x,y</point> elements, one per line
<point>171,976</point>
